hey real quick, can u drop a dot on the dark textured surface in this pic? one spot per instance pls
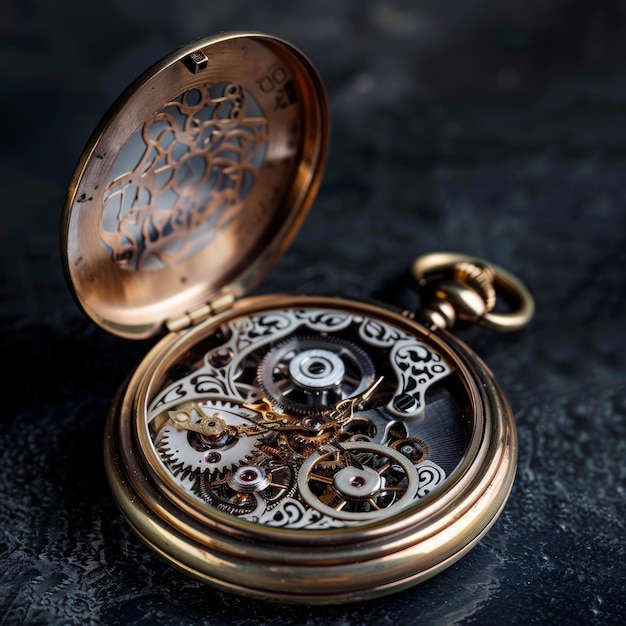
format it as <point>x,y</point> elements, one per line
<point>495,128</point>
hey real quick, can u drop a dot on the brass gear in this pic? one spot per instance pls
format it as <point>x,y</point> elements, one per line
<point>367,481</point>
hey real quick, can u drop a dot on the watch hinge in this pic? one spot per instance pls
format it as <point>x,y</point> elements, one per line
<point>200,313</point>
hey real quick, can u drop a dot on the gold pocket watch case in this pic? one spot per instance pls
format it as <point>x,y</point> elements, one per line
<point>288,448</point>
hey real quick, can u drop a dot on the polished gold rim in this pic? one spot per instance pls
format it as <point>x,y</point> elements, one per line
<point>346,564</point>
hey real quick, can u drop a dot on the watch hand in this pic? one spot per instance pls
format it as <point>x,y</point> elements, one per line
<point>191,417</point>
<point>344,410</point>
<point>272,420</point>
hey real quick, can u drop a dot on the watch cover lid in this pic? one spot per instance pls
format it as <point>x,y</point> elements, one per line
<point>195,181</point>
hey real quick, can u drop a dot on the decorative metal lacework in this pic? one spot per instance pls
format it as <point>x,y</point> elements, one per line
<point>182,177</point>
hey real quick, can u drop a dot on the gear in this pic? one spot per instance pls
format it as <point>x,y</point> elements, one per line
<point>249,490</point>
<point>188,452</point>
<point>281,481</point>
<point>358,481</point>
<point>311,374</point>
<point>218,491</point>
<point>313,435</point>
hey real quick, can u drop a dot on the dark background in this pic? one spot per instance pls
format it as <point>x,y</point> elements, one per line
<point>489,127</point>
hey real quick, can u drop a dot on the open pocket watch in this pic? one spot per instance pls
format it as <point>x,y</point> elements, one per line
<point>289,448</point>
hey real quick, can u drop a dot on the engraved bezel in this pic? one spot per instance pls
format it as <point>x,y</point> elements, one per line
<point>195,181</point>
<point>327,566</point>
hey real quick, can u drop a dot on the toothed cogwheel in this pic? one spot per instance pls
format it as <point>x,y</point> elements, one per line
<point>191,452</point>
<point>250,489</point>
<point>219,492</point>
<point>358,481</point>
<point>311,374</point>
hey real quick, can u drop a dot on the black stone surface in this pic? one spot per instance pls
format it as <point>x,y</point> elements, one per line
<point>495,128</point>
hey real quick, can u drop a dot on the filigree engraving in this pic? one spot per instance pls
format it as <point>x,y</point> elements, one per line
<point>246,335</point>
<point>280,421</point>
<point>417,367</point>
<point>182,176</point>
<point>378,334</point>
<point>293,514</point>
<point>430,476</point>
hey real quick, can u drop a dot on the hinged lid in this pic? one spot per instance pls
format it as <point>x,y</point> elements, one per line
<point>194,182</point>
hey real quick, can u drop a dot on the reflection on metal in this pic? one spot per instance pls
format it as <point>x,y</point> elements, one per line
<point>183,176</point>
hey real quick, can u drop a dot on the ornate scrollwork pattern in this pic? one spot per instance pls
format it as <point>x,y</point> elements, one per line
<point>182,176</point>
<point>418,367</point>
<point>247,337</point>
<point>303,418</point>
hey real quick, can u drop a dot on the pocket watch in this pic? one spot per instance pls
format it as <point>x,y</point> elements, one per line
<point>290,448</point>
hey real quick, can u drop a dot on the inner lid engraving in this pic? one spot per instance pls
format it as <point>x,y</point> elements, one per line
<point>183,176</point>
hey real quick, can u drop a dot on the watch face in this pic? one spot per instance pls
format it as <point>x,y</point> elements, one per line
<point>310,450</point>
<point>309,418</point>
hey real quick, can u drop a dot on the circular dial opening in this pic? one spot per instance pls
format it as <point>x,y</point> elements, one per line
<point>310,418</point>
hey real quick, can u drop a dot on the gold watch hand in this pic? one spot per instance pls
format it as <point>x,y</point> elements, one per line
<point>191,417</point>
<point>272,420</point>
<point>344,410</point>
